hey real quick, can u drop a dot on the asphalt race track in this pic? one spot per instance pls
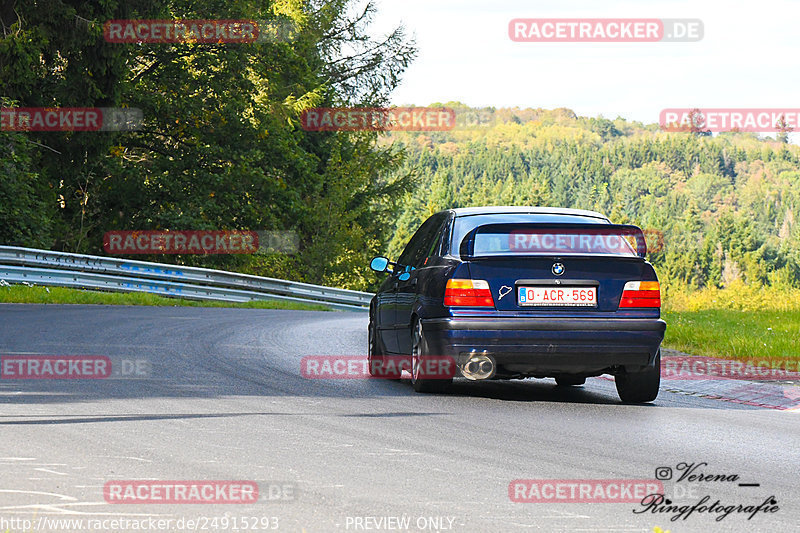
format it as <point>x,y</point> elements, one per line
<point>220,396</point>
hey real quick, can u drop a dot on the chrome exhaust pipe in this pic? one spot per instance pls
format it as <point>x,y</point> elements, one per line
<point>478,366</point>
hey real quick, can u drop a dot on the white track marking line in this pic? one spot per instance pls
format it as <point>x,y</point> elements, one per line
<point>50,471</point>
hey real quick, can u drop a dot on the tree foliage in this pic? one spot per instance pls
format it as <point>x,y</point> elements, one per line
<point>221,145</point>
<point>728,205</point>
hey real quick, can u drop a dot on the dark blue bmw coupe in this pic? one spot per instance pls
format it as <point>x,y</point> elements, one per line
<point>517,292</point>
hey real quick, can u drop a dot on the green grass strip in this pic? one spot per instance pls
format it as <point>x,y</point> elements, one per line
<point>731,334</point>
<point>61,295</point>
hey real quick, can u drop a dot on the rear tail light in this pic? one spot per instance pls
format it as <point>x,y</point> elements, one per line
<point>641,294</point>
<point>468,293</point>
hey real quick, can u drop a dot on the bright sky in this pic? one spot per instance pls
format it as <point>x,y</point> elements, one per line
<point>747,58</point>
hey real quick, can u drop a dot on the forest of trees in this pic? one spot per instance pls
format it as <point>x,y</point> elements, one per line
<point>221,145</point>
<point>728,205</point>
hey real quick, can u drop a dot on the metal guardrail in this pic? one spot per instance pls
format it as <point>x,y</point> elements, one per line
<point>44,267</point>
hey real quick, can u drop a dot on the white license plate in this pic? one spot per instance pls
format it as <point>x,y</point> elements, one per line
<point>562,296</point>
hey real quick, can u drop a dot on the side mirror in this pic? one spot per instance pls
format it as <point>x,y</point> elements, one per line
<point>379,264</point>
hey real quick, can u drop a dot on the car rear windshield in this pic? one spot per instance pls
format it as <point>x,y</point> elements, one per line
<point>549,239</point>
<point>466,224</point>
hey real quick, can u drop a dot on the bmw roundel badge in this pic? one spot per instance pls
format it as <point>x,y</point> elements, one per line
<point>558,268</point>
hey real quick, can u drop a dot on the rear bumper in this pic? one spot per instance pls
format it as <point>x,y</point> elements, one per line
<point>549,346</point>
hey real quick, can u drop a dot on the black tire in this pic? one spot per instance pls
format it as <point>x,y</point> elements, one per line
<point>567,380</point>
<point>376,363</point>
<point>419,351</point>
<point>640,387</point>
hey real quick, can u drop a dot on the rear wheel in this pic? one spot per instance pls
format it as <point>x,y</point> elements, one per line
<point>376,359</point>
<point>567,380</point>
<point>640,387</point>
<point>419,356</point>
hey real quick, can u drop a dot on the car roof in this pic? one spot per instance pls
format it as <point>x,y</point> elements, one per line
<point>516,209</point>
